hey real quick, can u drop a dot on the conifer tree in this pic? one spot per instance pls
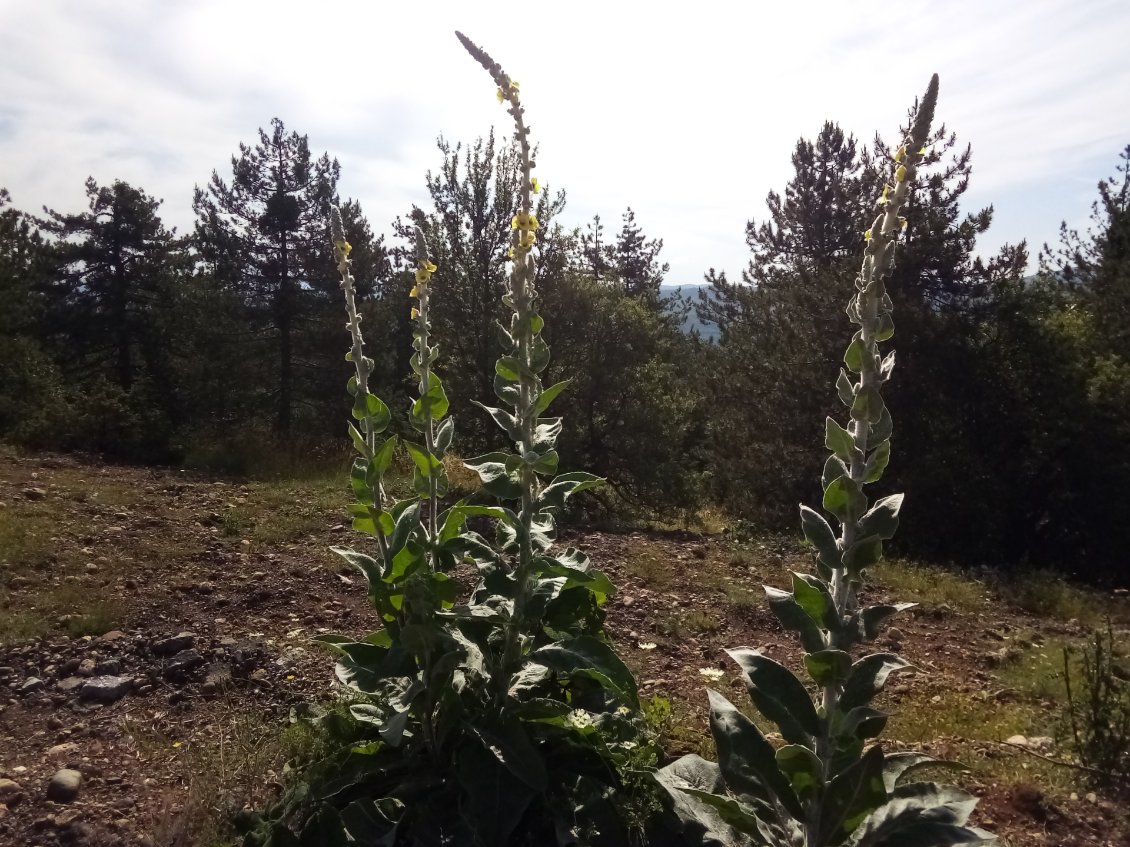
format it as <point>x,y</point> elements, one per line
<point>264,235</point>
<point>637,264</point>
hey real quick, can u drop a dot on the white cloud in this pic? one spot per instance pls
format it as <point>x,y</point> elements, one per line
<point>687,115</point>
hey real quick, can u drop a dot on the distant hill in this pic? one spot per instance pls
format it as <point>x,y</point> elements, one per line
<point>708,331</point>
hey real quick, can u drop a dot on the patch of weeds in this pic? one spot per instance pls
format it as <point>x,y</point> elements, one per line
<point>233,523</point>
<point>650,567</point>
<point>965,728</point>
<point>20,625</point>
<point>96,618</point>
<point>241,766</point>
<point>694,622</point>
<point>687,732</point>
<point>929,586</point>
<point>1048,595</point>
<point>25,538</point>
<point>737,595</point>
<point>288,511</point>
<point>463,481</point>
<point>1037,672</point>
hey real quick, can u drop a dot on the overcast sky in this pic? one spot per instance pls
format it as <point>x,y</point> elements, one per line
<point>688,112</point>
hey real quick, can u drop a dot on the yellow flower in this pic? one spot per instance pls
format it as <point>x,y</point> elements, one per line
<point>514,85</point>
<point>535,186</point>
<point>343,246</point>
<point>922,152</point>
<point>867,235</point>
<point>422,276</point>
<point>415,313</point>
<point>500,95</point>
<point>900,154</point>
<point>884,200</point>
<point>528,240</point>
<point>900,173</point>
<point>524,222</point>
<point>429,267</point>
<point>413,292</point>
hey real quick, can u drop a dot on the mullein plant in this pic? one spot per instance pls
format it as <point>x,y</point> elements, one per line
<point>509,713</point>
<point>829,783</point>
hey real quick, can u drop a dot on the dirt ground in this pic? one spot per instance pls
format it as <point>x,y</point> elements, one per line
<point>155,624</point>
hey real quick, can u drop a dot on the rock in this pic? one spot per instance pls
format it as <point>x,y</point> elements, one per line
<point>32,685</point>
<point>173,644</point>
<point>66,752</point>
<point>183,663</point>
<point>109,667</point>
<point>1041,744</point>
<point>1092,798</point>
<point>86,667</point>
<point>71,683</point>
<point>895,634</point>
<point>64,786</point>
<point>106,689</point>
<point>112,635</point>
<point>10,792</point>
<point>34,493</point>
<point>1018,740</point>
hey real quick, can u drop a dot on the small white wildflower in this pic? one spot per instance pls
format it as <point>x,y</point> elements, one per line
<point>713,674</point>
<point>647,645</point>
<point>623,711</point>
<point>579,719</point>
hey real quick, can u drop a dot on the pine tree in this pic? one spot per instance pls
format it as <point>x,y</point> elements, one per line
<point>265,236</point>
<point>637,260</point>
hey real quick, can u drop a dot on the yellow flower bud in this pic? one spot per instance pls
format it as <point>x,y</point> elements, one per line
<point>900,154</point>
<point>535,186</point>
<point>900,174</point>
<point>500,95</point>
<point>884,200</point>
<point>415,313</point>
<point>413,292</point>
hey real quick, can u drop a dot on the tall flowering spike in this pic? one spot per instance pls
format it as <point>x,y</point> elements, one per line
<point>522,474</point>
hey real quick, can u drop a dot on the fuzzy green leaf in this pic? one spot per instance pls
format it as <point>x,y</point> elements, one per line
<point>359,442</point>
<point>881,430</point>
<point>793,617</point>
<point>747,760</point>
<point>886,327</point>
<point>778,695</point>
<point>838,440</point>
<point>803,768</point>
<point>882,519</point>
<point>828,667</point>
<point>856,352</point>
<point>868,404</point>
<point>509,743</point>
<point>843,499</point>
<point>589,657</point>
<point>863,554</point>
<point>444,435</point>
<point>506,421</point>
<point>382,456</point>
<point>853,795</point>
<point>554,495</point>
<point>833,468</point>
<point>814,597</point>
<point>877,462</point>
<point>820,536</point>
<point>496,479</point>
<point>844,388</point>
<point>868,677</point>
<point>548,396</point>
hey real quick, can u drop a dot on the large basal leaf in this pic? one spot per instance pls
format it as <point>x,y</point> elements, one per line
<point>685,780</point>
<point>851,796</point>
<point>372,822</point>
<point>922,814</point>
<point>506,739</point>
<point>778,695</point>
<point>495,800</point>
<point>591,658</point>
<point>324,829</point>
<point>747,760</point>
<point>868,677</point>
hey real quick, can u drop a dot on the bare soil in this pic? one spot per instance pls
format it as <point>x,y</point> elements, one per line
<point>106,563</point>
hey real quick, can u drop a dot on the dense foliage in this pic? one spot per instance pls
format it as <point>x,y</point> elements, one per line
<point>218,348</point>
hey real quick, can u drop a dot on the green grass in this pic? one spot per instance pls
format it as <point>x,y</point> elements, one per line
<point>929,586</point>
<point>1048,595</point>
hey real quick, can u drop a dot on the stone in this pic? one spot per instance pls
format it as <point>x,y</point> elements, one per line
<point>31,685</point>
<point>10,792</point>
<point>109,667</point>
<point>106,689</point>
<point>31,493</point>
<point>173,644</point>
<point>1018,740</point>
<point>112,635</point>
<point>64,786</point>
<point>71,683</point>
<point>183,663</point>
<point>86,667</point>
<point>68,751</point>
